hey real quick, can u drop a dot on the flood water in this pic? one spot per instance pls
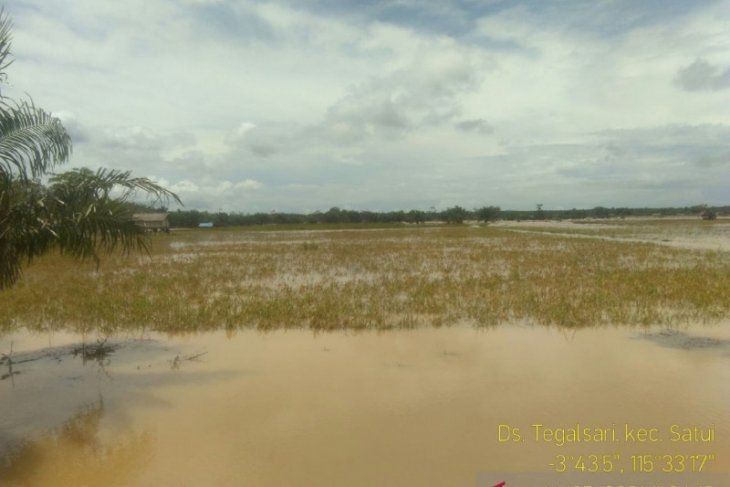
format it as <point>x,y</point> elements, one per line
<point>404,407</point>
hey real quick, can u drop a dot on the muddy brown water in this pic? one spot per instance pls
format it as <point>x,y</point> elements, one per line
<point>404,407</point>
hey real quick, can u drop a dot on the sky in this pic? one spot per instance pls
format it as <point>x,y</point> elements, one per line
<point>301,105</point>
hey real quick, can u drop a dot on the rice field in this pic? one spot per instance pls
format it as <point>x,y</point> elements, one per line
<point>380,278</point>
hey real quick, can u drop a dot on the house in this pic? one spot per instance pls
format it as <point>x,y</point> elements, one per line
<point>152,222</point>
<point>205,225</point>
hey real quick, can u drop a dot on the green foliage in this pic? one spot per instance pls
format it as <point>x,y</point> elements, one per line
<point>336,216</point>
<point>416,216</point>
<point>455,214</point>
<point>617,212</point>
<point>539,212</point>
<point>78,212</point>
<point>32,140</point>
<point>487,213</point>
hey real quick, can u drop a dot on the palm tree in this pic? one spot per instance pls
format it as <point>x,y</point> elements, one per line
<point>79,213</point>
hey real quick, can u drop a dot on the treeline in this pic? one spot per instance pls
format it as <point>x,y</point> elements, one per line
<point>603,212</point>
<point>456,214</point>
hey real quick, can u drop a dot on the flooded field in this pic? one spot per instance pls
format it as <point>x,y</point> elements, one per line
<point>683,233</point>
<point>401,407</point>
<point>364,357</point>
<point>404,276</point>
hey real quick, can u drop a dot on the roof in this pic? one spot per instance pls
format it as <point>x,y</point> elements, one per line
<point>149,217</point>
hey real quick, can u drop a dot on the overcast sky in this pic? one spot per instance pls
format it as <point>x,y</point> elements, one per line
<point>297,105</point>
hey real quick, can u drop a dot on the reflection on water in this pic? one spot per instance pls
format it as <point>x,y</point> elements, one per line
<point>406,407</point>
<point>685,341</point>
<point>74,455</point>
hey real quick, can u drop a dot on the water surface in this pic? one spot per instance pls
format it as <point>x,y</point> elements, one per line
<point>403,407</point>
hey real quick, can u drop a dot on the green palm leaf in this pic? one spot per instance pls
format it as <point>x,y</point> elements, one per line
<point>5,39</point>
<point>31,140</point>
<point>80,212</point>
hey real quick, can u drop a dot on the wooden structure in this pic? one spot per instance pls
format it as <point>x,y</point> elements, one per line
<point>152,222</point>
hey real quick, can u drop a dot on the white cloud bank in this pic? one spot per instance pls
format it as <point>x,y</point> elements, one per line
<point>255,105</point>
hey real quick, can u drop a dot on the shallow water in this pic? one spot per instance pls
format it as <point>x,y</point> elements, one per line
<point>404,407</point>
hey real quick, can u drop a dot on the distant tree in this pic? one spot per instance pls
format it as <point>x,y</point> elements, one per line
<point>221,219</point>
<point>352,216</point>
<point>455,214</point>
<point>416,216</point>
<point>334,215</point>
<point>487,213</point>
<point>539,214</point>
<point>79,212</point>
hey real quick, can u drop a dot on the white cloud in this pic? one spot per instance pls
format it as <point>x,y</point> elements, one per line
<point>536,102</point>
<point>244,128</point>
<point>184,187</point>
<point>249,184</point>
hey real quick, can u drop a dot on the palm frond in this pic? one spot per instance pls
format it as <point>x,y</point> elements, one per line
<point>5,41</point>
<point>80,213</point>
<point>92,217</point>
<point>23,226</point>
<point>103,183</point>
<point>31,140</point>
<point>82,233</point>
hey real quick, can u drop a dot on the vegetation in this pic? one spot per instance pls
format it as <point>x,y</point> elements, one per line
<point>192,218</point>
<point>77,212</point>
<point>603,212</point>
<point>374,278</point>
<point>487,213</point>
<point>539,212</point>
<point>457,214</point>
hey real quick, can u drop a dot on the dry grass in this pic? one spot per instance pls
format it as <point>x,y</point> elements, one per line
<point>372,278</point>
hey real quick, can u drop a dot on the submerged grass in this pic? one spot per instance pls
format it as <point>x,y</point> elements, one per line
<point>372,278</point>
<point>650,229</point>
